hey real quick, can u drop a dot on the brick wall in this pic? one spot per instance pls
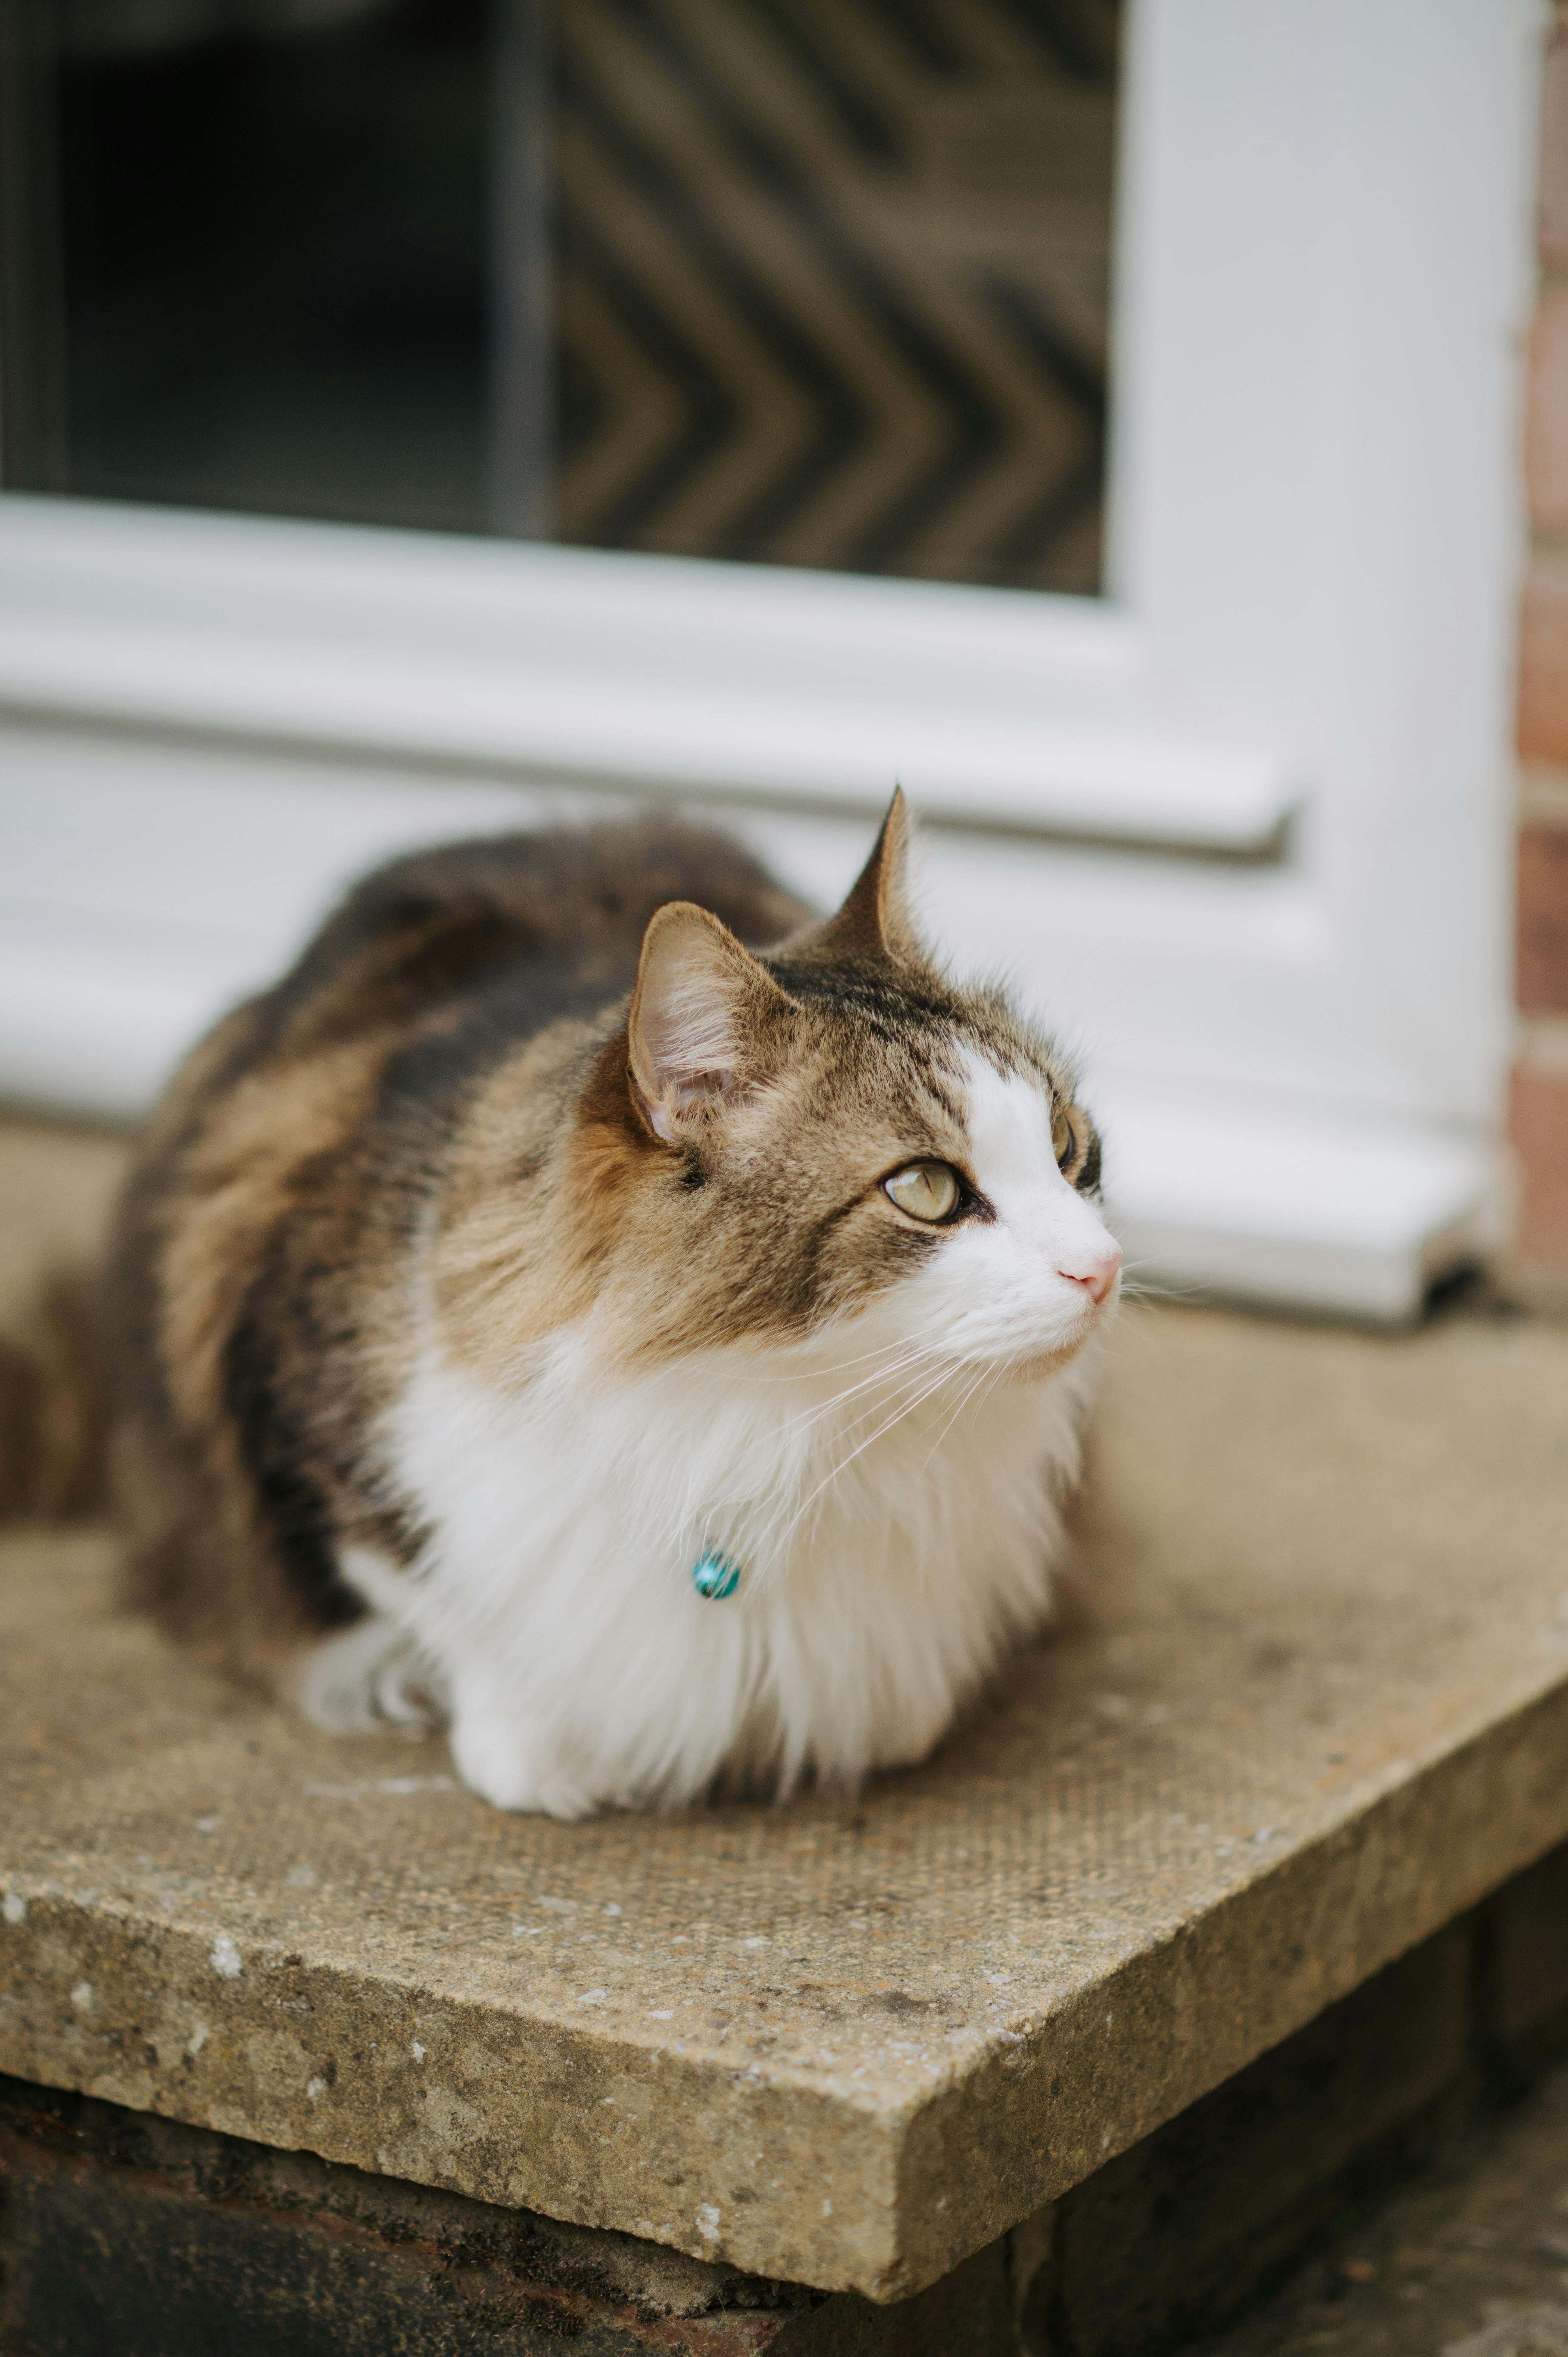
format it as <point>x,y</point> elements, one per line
<point>1540,1075</point>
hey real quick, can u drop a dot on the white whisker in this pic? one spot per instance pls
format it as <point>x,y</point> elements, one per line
<point>897,1416</point>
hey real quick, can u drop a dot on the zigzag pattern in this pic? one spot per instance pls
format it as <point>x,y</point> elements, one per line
<point>831,282</point>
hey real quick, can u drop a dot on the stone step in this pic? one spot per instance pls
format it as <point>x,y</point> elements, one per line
<point>121,2230</point>
<point>1314,1710</point>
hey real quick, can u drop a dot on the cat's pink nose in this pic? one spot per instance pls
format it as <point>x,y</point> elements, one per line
<point>1096,1271</point>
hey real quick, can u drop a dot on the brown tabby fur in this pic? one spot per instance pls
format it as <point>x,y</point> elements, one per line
<point>250,1304</point>
<point>446,1078</point>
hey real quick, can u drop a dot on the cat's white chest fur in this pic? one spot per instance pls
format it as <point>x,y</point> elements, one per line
<point>895,1527</point>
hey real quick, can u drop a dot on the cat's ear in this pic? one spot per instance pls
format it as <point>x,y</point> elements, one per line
<point>875,921</point>
<point>702,1017</point>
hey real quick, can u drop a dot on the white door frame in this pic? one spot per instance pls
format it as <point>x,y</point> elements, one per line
<point>1291,713</point>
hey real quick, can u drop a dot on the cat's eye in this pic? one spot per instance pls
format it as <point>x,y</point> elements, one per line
<point>926,1190</point>
<point>1064,1138</point>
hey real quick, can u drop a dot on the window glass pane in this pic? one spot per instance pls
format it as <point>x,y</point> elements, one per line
<point>803,282</point>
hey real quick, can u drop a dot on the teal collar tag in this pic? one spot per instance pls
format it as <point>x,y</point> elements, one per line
<point>713,1575</point>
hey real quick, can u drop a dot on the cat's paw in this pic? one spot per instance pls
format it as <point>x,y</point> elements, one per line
<point>366,1678</point>
<point>496,1759</point>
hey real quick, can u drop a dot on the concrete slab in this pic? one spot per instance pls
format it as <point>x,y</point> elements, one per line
<point>1317,1704</point>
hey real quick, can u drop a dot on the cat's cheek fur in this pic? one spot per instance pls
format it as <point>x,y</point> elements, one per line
<point>883,1571</point>
<point>997,1291</point>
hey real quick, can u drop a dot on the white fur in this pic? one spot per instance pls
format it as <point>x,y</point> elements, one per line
<point>373,1673</point>
<point>889,1489</point>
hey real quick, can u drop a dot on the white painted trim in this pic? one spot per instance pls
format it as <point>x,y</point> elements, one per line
<point>1248,1199</point>
<point>1323,264</point>
<point>649,674</point>
<point>147,888</point>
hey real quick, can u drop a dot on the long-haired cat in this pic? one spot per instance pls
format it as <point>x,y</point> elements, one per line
<point>665,1357</point>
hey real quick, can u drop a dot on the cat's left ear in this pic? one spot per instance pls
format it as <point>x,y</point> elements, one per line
<point>876,920</point>
<point>705,1022</point>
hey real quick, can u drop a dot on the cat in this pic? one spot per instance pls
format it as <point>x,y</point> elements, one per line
<point>662,1358</point>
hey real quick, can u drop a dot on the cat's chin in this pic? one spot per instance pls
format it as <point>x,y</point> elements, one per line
<point>1042,1366</point>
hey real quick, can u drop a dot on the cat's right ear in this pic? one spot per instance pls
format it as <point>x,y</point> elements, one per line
<point>702,1015</point>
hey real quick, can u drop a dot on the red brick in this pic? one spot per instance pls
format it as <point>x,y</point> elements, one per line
<point>1543,661</point>
<point>1546,424</point>
<point>1539,1129</point>
<point>1554,153</point>
<point>1544,920</point>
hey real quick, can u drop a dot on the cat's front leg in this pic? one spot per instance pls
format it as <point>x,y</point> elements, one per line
<point>501,1757</point>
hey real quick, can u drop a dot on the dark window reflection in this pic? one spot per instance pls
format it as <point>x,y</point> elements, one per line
<point>809,281</point>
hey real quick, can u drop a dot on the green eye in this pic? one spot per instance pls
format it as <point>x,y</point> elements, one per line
<point>1064,1138</point>
<point>926,1190</point>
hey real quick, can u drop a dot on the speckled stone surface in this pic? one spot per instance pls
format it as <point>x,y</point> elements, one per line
<point>1316,1704</point>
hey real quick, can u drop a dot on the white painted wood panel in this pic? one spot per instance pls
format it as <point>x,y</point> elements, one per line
<point>1322,259</point>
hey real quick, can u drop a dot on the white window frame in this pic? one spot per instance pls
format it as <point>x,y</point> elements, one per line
<point>1243,825</point>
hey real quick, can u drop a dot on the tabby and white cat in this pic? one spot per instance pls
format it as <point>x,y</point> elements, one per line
<point>666,1358</point>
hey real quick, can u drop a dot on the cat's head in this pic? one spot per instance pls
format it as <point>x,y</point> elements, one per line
<point>832,1130</point>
